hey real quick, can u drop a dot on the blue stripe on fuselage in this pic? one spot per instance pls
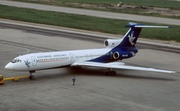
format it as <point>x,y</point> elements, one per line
<point>108,57</point>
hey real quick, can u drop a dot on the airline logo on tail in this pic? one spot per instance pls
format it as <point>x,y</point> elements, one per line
<point>131,38</point>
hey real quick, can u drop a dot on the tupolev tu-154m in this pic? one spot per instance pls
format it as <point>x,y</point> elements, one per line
<point>109,57</point>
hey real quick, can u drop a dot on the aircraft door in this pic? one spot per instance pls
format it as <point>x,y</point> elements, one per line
<point>71,57</point>
<point>33,61</point>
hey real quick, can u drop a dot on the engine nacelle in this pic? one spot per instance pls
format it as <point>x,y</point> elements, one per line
<point>111,43</point>
<point>122,55</point>
<point>116,55</point>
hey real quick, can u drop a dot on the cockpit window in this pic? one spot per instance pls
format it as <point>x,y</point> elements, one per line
<point>16,60</point>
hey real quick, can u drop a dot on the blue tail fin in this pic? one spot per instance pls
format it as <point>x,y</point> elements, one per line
<point>132,35</point>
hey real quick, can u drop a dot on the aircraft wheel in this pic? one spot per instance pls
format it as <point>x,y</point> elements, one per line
<point>108,73</point>
<point>113,72</point>
<point>31,77</point>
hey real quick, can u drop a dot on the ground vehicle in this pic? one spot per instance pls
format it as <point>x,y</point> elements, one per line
<point>1,79</point>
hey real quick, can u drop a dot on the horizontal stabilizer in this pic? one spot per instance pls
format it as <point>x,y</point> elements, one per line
<point>148,26</point>
<point>132,24</point>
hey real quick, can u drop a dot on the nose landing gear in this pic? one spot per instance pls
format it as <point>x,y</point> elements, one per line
<point>31,76</point>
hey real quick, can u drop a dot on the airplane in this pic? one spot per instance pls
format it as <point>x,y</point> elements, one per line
<point>109,57</point>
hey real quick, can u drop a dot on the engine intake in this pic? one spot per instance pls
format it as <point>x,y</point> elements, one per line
<point>122,55</point>
<point>111,42</point>
<point>116,55</point>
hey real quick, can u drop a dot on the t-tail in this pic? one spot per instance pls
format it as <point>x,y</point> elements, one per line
<point>130,38</point>
<point>124,48</point>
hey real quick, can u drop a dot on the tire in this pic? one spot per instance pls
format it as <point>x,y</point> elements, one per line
<point>31,77</point>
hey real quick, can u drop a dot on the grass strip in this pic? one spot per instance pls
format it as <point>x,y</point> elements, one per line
<point>174,5</point>
<point>84,22</point>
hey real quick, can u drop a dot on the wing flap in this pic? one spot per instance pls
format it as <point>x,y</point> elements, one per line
<point>119,65</point>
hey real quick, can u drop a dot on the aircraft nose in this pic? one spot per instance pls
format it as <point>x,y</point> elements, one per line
<point>9,66</point>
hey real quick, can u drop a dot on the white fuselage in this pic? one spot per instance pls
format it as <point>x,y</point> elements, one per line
<point>48,60</point>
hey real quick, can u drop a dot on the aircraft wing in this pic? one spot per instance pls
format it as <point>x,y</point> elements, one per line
<point>119,65</point>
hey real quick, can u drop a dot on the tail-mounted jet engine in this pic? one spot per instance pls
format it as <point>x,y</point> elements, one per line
<point>116,55</point>
<point>111,43</point>
<point>123,55</point>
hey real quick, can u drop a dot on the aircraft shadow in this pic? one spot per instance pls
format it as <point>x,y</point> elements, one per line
<point>84,71</point>
<point>120,73</point>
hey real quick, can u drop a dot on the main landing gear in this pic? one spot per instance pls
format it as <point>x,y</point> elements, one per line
<point>31,76</point>
<point>110,72</point>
